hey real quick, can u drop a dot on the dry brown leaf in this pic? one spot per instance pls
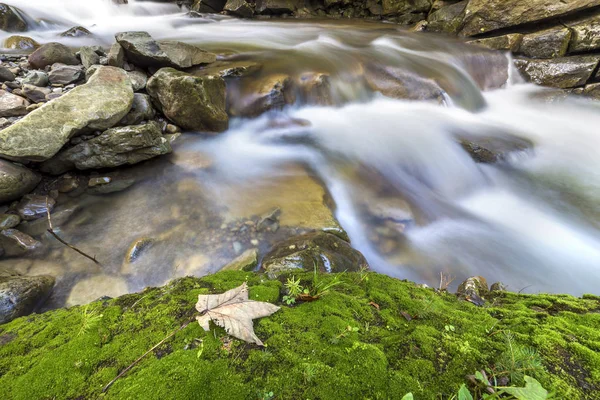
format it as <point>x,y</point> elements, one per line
<point>233,311</point>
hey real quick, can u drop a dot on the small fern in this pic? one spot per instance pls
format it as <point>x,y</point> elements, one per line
<point>518,361</point>
<point>89,319</point>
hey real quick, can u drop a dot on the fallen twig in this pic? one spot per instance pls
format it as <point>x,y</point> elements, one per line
<point>145,354</point>
<point>51,231</point>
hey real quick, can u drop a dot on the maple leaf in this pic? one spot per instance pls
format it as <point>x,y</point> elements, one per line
<point>233,311</point>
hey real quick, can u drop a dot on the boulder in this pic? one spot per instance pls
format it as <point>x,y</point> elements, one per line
<point>52,53</point>
<point>88,56</point>
<point>141,110</point>
<point>62,74</point>
<point>116,56</point>
<point>11,19</point>
<point>36,78</point>
<point>278,6</point>
<point>35,93</point>
<point>6,75</point>
<point>193,103</point>
<point>508,42</point>
<point>549,43</point>
<point>138,79</point>
<point>565,72</point>
<point>114,147</point>
<point>15,181</point>
<point>183,55</point>
<point>586,35</point>
<point>315,88</point>
<point>239,8</point>
<point>12,105</point>
<point>34,206</point>
<point>482,16</point>
<point>8,221</point>
<point>20,43</point>
<point>392,7</point>
<point>399,83</point>
<point>492,149</point>
<point>20,295</point>
<point>447,19</point>
<point>209,6</point>
<point>16,243</point>
<point>76,31</point>
<point>227,69</point>
<point>97,105</point>
<point>259,95</point>
<point>474,289</point>
<point>321,250</point>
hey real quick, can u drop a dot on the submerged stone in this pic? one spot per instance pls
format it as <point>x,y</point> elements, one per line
<point>16,243</point>
<point>260,95</point>
<point>97,105</point>
<point>34,206</point>
<point>398,83</point>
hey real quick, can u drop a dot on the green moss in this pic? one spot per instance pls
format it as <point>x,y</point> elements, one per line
<point>368,338</point>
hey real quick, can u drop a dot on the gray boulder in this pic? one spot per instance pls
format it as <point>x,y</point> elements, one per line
<point>35,93</point>
<point>88,56</point>
<point>12,105</point>
<point>183,55</point>
<point>141,110</point>
<point>565,72</point>
<point>194,103</point>
<point>6,75</point>
<point>20,295</point>
<point>15,181</point>
<point>98,105</point>
<point>138,79</point>
<point>52,53</point>
<point>62,74</point>
<point>116,56</point>
<point>209,6</point>
<point>549,43</point>
<point>114,147</point>
<point>36,78</point>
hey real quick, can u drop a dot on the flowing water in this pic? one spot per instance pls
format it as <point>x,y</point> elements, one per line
<point>391,172</point>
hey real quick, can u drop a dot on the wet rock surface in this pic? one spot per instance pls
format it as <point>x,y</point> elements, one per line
<point>20,295</point>
<point>16,181</point>
<point>563,72</point>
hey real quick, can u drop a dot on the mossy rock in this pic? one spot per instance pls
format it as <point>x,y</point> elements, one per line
<point>372,336</point>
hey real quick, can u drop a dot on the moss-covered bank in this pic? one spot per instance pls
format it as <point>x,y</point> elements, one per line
<point>355,342</point>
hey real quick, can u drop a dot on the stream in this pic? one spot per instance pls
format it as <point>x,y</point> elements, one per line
<point>391,173</point>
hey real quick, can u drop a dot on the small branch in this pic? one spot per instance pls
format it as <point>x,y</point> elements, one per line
<point>133,364</point>
<point>51,231</point>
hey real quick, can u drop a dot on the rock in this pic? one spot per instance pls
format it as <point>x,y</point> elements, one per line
<point>36,78</point>
<point>35,93</point>
<point>183,55</point>
<point>239,8</point>
<point>116,56</point>
<point>141,110</point>
<point>144,51</point>
<point>96,287</point>
<point>509,42</point>
<point>390,7</point>
<point>492,149</point>
<point>565,72</point>
<point>136,249</point>
<point>97,105</point>
<point>269,221</point>
<point>15,181</point>
<point>20,295</point>
<point>11,19</point>
<point>259,95</point>
<point>585,35</point>
<point>39,227</point>
<point>548,43</point>
<point>227,69</point>
<point>193,103</point>
<point>247,261</point>
<point>114,147</point>
<point>482,16</point>
<point>12,105</point>
<point>208,6</point>
<point>88,56</point>
<point>398,83</point>
<point>33,206</point>
<point>592,91</point>
<point>6,75</point>
<point>277,6</point>
<point>315,88</point>
<point>17,42</point>
<point>474,289</point>
<point>115,184</point>
<point>138,79</point>
<point>326,252</point>
<point>65,74</point>
<point>16,243</point>
<point>8,221</point>
<point>498,287</point>
<point>52,53</point>
<point>76,31</point>
<point>447,19</point>
<point>488,69</point>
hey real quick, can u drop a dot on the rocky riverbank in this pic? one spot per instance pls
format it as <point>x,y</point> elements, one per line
<point>369,336</point>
